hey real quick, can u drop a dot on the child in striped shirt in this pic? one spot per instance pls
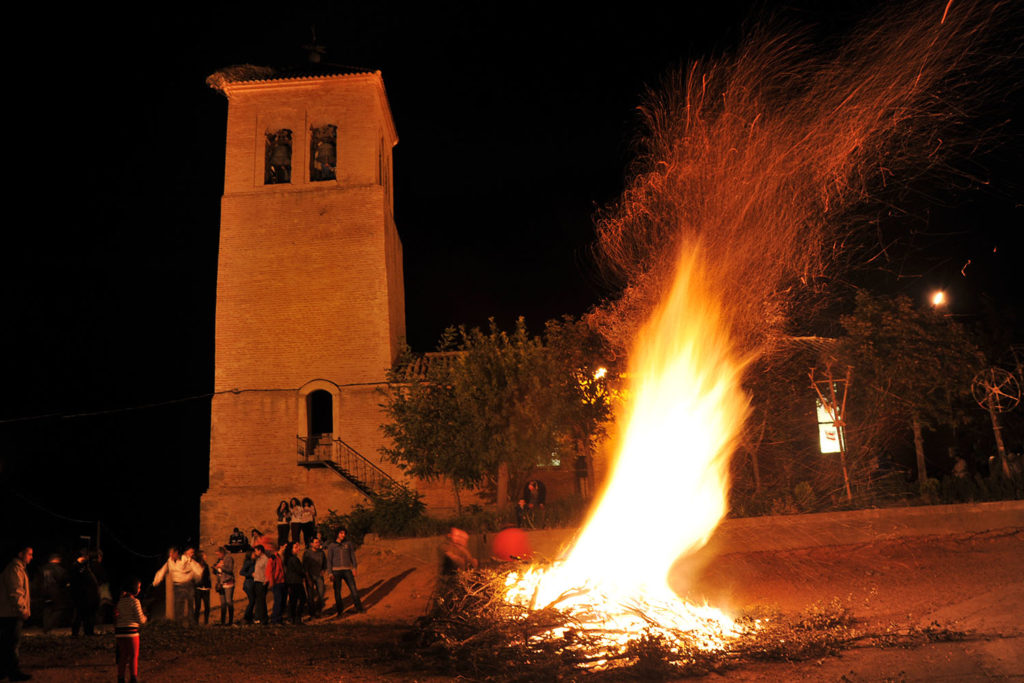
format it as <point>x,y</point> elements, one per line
<point>127,619</point>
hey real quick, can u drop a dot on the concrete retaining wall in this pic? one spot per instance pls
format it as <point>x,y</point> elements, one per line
<point>864,526</point>
<point>787,532</point>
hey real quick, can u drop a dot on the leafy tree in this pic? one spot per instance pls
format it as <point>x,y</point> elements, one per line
<point>431,436</point>
<point>914,363</point>
<point>490,405</point>
<point>501,382</point>
<point>583,398</point>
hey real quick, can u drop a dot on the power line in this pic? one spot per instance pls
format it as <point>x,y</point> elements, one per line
<point>145,406</point>
<point>142,406</point>
<point>102,524</point>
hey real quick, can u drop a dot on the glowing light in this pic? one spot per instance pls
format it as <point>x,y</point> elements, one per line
<point>600,373</point>
<point>939,298</point>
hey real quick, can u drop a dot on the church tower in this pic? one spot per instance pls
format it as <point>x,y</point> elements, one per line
<point>310,302</point>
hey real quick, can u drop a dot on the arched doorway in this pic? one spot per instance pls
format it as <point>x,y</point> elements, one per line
<point>320,416</point>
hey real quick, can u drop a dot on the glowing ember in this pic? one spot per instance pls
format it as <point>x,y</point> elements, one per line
<point>672,472</point>
<point>620,619</point>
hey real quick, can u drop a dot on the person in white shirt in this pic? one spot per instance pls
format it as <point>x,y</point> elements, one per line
<point>297,519</point>
<point>182,571</point>
<point>308,521</point>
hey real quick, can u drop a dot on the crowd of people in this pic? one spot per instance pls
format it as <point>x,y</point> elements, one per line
<point>81,593</point>
<point>282,583</point>
<point>283,579</point>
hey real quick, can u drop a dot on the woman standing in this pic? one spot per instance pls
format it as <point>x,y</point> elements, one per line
<point>296,513</point>
<point>225,571</point>
<point>309,525</point>
<point>202,589</point>
<point>284,518</point>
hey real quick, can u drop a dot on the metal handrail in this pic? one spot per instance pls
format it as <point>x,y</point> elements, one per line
<point>345,460</point>
<point>358,466</point>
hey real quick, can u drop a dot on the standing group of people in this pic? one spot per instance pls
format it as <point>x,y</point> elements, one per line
<point>530,512</point>
<point>294,577</point>
<point>80,592</point>
<point>192,580</point>
<point>189,576</point>
<point>85,583</point>
<point>296,521</point>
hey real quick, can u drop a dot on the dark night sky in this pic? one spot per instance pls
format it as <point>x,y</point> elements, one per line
<point>514,126</point>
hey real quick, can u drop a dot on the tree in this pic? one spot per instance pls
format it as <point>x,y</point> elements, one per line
<point>491,405</point>
<point>579,355</point>
<point>430,435</point>
<point>914,363</point>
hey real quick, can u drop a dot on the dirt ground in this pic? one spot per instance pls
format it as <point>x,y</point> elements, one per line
<point>971,582</point>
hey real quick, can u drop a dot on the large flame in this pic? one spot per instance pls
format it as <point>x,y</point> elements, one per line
<point>668,488</point>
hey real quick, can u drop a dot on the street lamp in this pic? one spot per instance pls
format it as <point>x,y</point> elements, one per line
<point>939,298</point>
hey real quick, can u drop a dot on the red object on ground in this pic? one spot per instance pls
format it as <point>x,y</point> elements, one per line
<point>511,544</point>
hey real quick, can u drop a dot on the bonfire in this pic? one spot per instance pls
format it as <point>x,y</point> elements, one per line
<point>739,204</point>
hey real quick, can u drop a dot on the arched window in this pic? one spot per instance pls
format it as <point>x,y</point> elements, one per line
<point>323,151</point>
<point>277,168</point>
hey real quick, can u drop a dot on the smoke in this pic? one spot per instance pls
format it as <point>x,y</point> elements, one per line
<point>751,164</point>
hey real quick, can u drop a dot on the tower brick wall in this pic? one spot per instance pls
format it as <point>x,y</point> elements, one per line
<point>309,296</point>
<point>305,295</point>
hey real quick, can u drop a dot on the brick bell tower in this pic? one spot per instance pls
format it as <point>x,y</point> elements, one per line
<point>310,301</point>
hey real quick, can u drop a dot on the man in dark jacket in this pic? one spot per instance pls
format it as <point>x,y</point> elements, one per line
<point>56,594</point>
<point>248,586</point>
<point>314,562</point>
<point>85,595</point>
<point>294,579</point>
<point>534,497</point>
<point>341,558</point>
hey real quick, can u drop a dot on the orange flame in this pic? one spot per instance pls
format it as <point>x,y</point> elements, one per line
<point>668,488</point>
<point>687,410</point>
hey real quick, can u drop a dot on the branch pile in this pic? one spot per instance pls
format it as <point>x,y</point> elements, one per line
<point>472,631</point>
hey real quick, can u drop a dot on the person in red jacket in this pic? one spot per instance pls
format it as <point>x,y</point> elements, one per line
<point>276,583</point>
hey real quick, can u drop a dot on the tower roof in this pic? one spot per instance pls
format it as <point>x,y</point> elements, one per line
<point>241,77</point>
<point>250,73</point>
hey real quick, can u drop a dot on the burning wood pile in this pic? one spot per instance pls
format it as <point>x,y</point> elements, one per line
<point>476,628</point>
